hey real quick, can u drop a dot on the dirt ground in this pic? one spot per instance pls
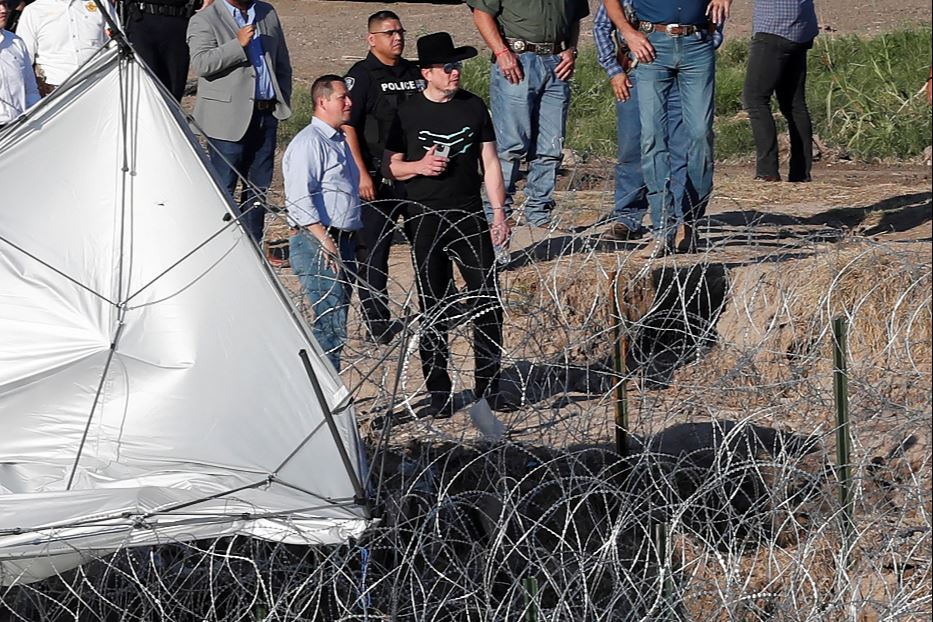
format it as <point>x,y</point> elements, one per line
<point>327,36</point>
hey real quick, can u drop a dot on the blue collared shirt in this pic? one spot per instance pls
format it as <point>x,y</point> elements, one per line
<point>254,52</point>
<point>321,179</point>
<point>603,31</point>
<point>685,12</point>
<point>794,20</point>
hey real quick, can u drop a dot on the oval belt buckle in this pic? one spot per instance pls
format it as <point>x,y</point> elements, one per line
<point>518,46</point>
<point>669,29</point>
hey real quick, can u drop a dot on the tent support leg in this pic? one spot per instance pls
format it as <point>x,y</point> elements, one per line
<point>361,497</point>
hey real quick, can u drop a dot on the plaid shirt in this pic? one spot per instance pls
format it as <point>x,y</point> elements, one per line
<point>604,31</point>
<point>792,19</point>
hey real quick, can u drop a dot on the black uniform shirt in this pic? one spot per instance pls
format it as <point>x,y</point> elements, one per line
<point>377,90</point>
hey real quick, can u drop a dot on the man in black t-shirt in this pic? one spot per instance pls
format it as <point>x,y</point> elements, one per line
<point>377,85</point>
<point>436,147</point>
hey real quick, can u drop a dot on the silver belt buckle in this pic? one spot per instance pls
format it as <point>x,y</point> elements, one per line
<point>518,46</point>
<point>669,29</point>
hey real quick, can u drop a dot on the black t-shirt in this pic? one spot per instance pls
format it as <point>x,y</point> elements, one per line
<point>376,90</point>
<point>463,125</point>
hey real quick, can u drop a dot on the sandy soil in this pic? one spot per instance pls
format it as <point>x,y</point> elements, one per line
<point>329,35</point>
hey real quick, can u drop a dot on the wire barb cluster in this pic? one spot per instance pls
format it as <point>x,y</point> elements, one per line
<point>723,504</point>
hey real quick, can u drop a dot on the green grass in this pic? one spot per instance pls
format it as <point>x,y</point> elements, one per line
<point>302,111</point>
<point>862,93</point>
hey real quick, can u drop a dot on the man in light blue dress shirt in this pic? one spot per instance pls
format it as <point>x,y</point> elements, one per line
<point>322,196</point>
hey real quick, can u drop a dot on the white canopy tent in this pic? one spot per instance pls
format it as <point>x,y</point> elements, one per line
<point>151,383</point>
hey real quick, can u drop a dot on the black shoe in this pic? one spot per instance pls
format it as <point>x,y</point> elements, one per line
<point>439,408</point>
<point>799,180</point>
<point>502,403</point>
<point>384,332</point>
<point>767,178</point>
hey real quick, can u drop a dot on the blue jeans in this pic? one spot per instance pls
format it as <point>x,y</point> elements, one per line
<point>328,291</point>
<point>530,119</point>
<point>253,158</point>
<point>690,63</point>
<point>631,194</point>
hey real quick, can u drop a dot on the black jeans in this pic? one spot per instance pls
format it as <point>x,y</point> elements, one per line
<point>442,237</point>
<point>160,41</point>
<point>373,245</point>
<point>779,66</point>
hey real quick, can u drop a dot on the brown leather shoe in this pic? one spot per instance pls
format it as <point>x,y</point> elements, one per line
<point>685,239</point>
<point>620,231</point>
<point>655,249</point>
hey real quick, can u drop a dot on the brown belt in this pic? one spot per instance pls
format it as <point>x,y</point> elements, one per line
<point>265,104</point>
<point>519,46</point>
<point>676,30</point>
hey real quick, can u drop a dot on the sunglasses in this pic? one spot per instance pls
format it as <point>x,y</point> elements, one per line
<point>449,68</point>
<point>390,33</point>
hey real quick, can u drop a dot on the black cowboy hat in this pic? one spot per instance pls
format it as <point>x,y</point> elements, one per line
<point>438,49</point>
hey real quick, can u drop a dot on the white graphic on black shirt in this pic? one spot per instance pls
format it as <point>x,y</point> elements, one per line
<point>458,142</point>
<point>349,81</point>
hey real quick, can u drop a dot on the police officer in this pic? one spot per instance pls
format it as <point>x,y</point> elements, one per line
<point>377,85</point>
<point>157,28</point>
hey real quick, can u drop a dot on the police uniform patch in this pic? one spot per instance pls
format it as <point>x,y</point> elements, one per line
<point>350,81</point>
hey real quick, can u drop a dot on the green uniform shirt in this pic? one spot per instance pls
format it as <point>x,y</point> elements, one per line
<point>538,21</point>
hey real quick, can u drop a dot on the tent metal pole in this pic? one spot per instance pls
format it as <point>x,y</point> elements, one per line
<point>100,389</point>
<point>361,497</point>
<point>115,33</point>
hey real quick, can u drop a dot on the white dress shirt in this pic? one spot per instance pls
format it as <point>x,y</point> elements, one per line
<point>17,82</point>
<point>61,35</point>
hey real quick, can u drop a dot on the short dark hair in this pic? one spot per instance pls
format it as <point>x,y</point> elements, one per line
<point>381,16</point>
<point>324,87</point>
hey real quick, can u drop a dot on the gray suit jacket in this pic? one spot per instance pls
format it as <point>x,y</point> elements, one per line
<point>226,80</point>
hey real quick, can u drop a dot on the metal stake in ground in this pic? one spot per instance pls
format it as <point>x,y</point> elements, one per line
<point>619,353</point>
<point>841,397</point>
